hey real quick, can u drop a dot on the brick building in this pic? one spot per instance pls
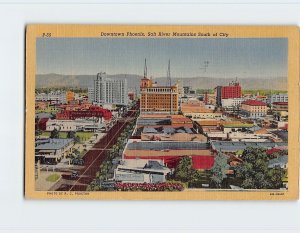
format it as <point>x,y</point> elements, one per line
<point>158,98</point>
<point>233,90</point>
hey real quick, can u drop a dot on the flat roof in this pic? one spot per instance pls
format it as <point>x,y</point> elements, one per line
<point>150,153</point>
<point>282,134</point>
<point>235,146</point>
<point>154,121</point>
<point>52,143</point>
<point>141,145</point>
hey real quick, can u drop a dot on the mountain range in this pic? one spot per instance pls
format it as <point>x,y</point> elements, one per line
<point>85,81</point>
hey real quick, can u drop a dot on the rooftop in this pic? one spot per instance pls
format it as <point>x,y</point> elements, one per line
<point>167,130</point>
<point>280,103</point>
<point>282,134</point>
<point>143,164</point>
<point>235,146</point>
<point>254,103</point>
<point>237,125</point>
<point>52,143</point>
<point>280,160</point>
<point>141,145</point>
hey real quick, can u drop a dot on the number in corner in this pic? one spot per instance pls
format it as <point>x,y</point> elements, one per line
<point>46,34</point>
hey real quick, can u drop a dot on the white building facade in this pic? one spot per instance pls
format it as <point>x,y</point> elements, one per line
<point>282,97</point>
<point>75,125</point>
<point>55,97</point>
<point>108,91</point>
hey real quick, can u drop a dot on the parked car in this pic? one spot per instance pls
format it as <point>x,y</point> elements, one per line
<point>75,174</point>
<point>77,161</point>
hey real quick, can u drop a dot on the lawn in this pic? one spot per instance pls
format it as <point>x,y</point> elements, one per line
<point>84,136</point>
<point>53,178</point>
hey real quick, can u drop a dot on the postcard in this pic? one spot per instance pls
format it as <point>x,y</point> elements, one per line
<point>164,112</point>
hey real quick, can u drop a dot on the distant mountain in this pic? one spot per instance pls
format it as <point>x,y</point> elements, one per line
<point>276,83</point>
<point>85,81</point>
<point>82,81</point>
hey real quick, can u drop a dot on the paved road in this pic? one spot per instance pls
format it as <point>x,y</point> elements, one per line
<point>94,157</point>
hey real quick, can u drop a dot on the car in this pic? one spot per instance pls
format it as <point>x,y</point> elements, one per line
<point>75,174</point>
<point>77,161</point>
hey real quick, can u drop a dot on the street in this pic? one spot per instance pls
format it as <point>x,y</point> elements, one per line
<point>94,157</point>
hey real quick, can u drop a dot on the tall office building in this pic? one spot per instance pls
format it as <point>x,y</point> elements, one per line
<point>108,91</point>
<point>232,91</point>
<point>158,99</point>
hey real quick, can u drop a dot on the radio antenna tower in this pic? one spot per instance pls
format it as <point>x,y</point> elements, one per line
<point>145,69</point>
<point>169,84</point>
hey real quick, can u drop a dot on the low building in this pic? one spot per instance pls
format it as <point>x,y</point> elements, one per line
<point>164,128</point>
<point>279,107</point>
<point>279,124</point>
<point>226,146</point>
<point>262,98</point>
<point>281,97</point>
<point>92,124</point>
<point>248,137</point>
<point>232,104</point>
<point>141,171</point>
<point>282,134</point>
<point>253,109</point>
<point>54,97</point>
<point>171,152</point>
<point>180,134</point>
<point>52,150</point>
<point>67,113</point>
<point>157,120</point>
<point>235,126</point>
<point>197,110</point>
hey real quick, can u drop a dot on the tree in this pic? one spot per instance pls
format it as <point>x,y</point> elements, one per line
<point>184,170</point>
<point>218,171</point>
<point>38,132</point>
<point>77,139</point>
<point>71,134</point>
<point>54,133</point>
<point>255,173</point>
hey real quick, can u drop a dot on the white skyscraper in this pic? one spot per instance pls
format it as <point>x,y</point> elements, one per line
<point>108,91</point>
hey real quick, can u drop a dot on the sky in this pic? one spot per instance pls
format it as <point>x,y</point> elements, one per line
<point>242,58</point>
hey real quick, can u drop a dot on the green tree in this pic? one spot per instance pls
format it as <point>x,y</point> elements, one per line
<point>184,170</point>
<point>218,171</point>
<point>71,134</point>
<point>54,133</point>
<point>255,173</point>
